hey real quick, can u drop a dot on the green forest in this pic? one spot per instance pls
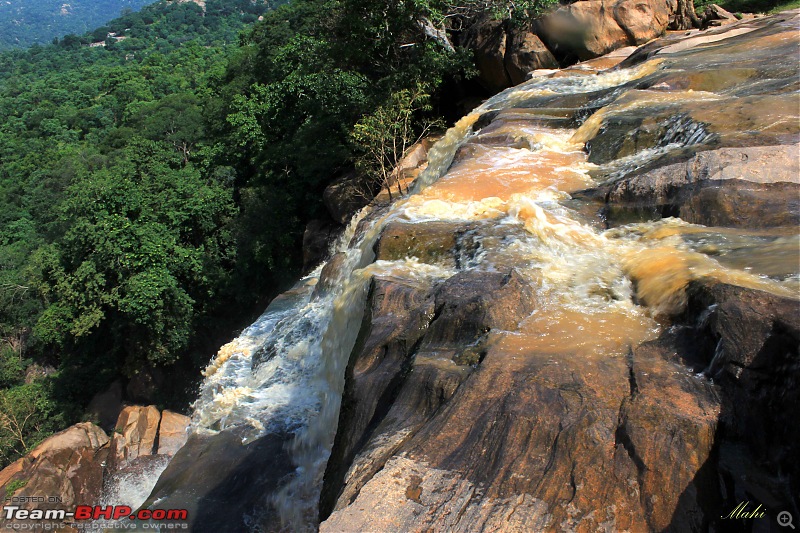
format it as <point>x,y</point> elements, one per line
<point>154,190</point>
<point>25,22</point>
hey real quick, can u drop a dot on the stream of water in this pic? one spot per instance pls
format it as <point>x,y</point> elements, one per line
<point>599,291</point>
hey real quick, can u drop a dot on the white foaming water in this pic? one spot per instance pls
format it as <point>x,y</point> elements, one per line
<point>286,371</point>
<point>133,485</point>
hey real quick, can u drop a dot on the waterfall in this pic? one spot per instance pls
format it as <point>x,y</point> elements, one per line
<point>599,291</point>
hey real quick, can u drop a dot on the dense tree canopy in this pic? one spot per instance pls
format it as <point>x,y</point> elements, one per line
<point>117,242</point>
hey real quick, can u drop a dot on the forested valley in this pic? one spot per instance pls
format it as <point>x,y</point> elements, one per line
<point>25,22</point>
<point>157,175</point>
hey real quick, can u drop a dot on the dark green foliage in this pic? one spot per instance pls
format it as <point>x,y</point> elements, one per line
<point>116,227</point>
<point>153,192</point>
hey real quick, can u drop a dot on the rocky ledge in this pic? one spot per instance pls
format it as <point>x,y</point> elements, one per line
<point>80,464</point>
<point>441,430</point>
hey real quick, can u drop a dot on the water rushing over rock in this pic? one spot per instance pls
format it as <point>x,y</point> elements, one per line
<point>508,347</point>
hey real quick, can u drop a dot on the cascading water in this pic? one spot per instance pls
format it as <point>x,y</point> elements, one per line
<point>286,371</point>
<point>599,291</point>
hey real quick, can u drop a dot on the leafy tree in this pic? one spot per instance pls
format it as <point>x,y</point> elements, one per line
<point>134,264</point>
<point>28,414</point>
<point>383,137</point>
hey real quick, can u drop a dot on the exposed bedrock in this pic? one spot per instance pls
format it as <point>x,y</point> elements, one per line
<point>518,442</point>
<point>444,428</point>
<point>417,345</point>
<point>507,53</point>
<point>749,187</point>
<point>224,484</point>
<point>524,441</point>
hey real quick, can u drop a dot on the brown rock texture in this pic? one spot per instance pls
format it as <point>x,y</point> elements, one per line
<point>506,54</point>
<point>69,465</point>
<point>590,28</point>
<point>578,443</point>
<point>135,434</point>
<point>526,53</point>
<point>419,344</point>
<point>446,428</point>
<point>756,187</point>
<point>487,39</point>
<point>172,432</point>
<point>346,195</point>
<point>531,442</point>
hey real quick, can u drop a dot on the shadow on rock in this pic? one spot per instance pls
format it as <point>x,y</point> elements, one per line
<point>751,352</point>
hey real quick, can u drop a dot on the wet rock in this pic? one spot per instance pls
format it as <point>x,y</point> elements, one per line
<point>224,484</point>
<point>317,239</point>
<point>430,242</point>
<point>172,432</point>
<point>135,434</point>
<point>747,342</point>
<point>529,442</point>
<point>526,53</point>
<point>406,370</point>
<point>331,274</point>
<point>640,121</point>
<point>752,187</point>
<point>69,465</point>
<point>346,195</point>
<point>471,304</point>
<point>396,319</point>
<point>743,322</point>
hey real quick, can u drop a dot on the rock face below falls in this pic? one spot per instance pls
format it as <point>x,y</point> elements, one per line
<point>584,317</point>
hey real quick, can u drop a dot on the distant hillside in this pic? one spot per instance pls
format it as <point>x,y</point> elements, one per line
<point>25,22</point>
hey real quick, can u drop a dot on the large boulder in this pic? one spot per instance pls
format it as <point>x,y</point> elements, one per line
<point>487,40</point>
<point>225,485</point>
<point>347,194</point>
<point>591,28</point>
<point>135,434</point>
<point>504,55</point>
<point>754,187</point>
<point>172,432</point>
<point>525,53</point>
<point>431,242</point>
<point>63,471</point>
<point>713,15</point>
